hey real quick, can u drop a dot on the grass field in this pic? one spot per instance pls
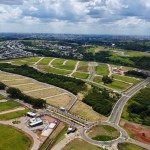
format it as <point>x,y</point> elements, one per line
<point>45,61</point>
<point>59,101</point>
<point>69,65</point>
<point>11,139</point>
<point>83,110</point>
<point>148,85</point>
<point>33,86</point>
<point>58,62</point>
<point>79,144</point>
<point>129,146</point>
<point>97,79</point>
<point>102,69</point>
<point>1,97</point>
<point>17,82</point>
<point>103,133</point>
<point>118,85</point>
<point>125,78</point>
<point>80,75</point>
<point>83,67</point>
<point>91,50</point>
<point>13,115</point>
<point>44,93</point>
<point>8,105</point>
<point>57,71</point>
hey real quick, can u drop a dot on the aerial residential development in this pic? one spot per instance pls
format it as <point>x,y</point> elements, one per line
<point>74,75</point>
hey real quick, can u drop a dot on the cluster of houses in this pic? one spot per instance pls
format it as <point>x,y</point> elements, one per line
<point>14,49</point>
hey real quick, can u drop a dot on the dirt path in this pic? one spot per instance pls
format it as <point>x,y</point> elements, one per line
<point>64,63</point>
<point>12,110</point>
<point>110,71</point>
<point>38,61</point>
<point>75,69</point>
<point>50,63</point>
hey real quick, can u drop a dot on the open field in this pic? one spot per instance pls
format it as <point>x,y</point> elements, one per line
<point>91,50</point>
<point>125,78</point>
<point>22,61</point>
<point>9,77</point>
<point>8,105</point>
<point>45,93</point>
<point>57,71</point>
<point>83,110</point>
<point>59,101</point>
<point>148,85</point>
<point>45,61</point>
<point>33,86</point>
<point>13,139</point>
<point>79,144</point>
<point>118,85</point>
<point>13,115</point>
<point>80,75</point>
<point>17,82</point>
<point>129,146</point>
<point>102,69</point>
<point>69,65</point>
<point>83,67</point>
<point>57,62</point>
<point>103,133</point>
<point>138,132</point>
<point>97,79</point>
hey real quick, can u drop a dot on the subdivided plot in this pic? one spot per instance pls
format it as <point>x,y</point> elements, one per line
<point>61,100</point>
<point>45,93</point>
<point>83,67</point>
<point>45,61</point>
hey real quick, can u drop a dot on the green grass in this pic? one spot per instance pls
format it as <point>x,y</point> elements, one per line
<point>103,133</point>
<point>57,71</point>
<point>45,61</point>
<point>11,139</point>
<point>118,85</point>
<point>103,138</point>
<point>102,69</point>
<point>13,115</point>
<point>129,146</point>
<point>91,50</point>
<point>98,80</point>
<point>125,78</point>
<point>58,62</point>
<point>134,54</point>
<point>83,67</point>
<point>148,85</point>
<point>80,75</point>
<point>70,65</point>
<point>79,144</point>
<point>1,97</point>
<point>8,105</point>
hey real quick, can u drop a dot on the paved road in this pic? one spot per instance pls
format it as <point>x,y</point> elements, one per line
<point>117,110</point>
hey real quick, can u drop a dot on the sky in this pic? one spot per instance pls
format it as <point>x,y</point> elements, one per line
<point>122,17</point>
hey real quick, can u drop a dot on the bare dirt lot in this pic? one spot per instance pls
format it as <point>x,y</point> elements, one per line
<point>45,93</point>
<point>86,112</point>
<point>139,132</point>
<point>59,101</point>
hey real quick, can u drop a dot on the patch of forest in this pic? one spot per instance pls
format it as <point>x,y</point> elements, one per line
<point>101,100</point>
<point>139,108</point>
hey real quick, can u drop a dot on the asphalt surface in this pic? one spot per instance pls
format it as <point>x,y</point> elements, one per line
<point>117,110</point>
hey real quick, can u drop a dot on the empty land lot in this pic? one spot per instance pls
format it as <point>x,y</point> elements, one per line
<point>83,67</point>
<point>45,61</point>
<point>86,112</point>
<point>33,86</point>
<point>102,70</point>
<point>44,93</point>
<point>17,82</point>
<point>60,100</point>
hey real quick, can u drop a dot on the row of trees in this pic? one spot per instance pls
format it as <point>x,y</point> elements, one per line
<point>16,93</point>
<point>2,86</point>
<point>135,74</point>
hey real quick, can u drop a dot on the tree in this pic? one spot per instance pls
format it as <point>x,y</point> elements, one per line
<point>107,79</point>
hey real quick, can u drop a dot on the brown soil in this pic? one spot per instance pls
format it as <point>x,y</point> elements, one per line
<point>139,132</point>
<point>41,67</point>
<point>48,118</point>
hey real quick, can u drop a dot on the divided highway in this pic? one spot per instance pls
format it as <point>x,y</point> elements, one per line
<point>117,110</point>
